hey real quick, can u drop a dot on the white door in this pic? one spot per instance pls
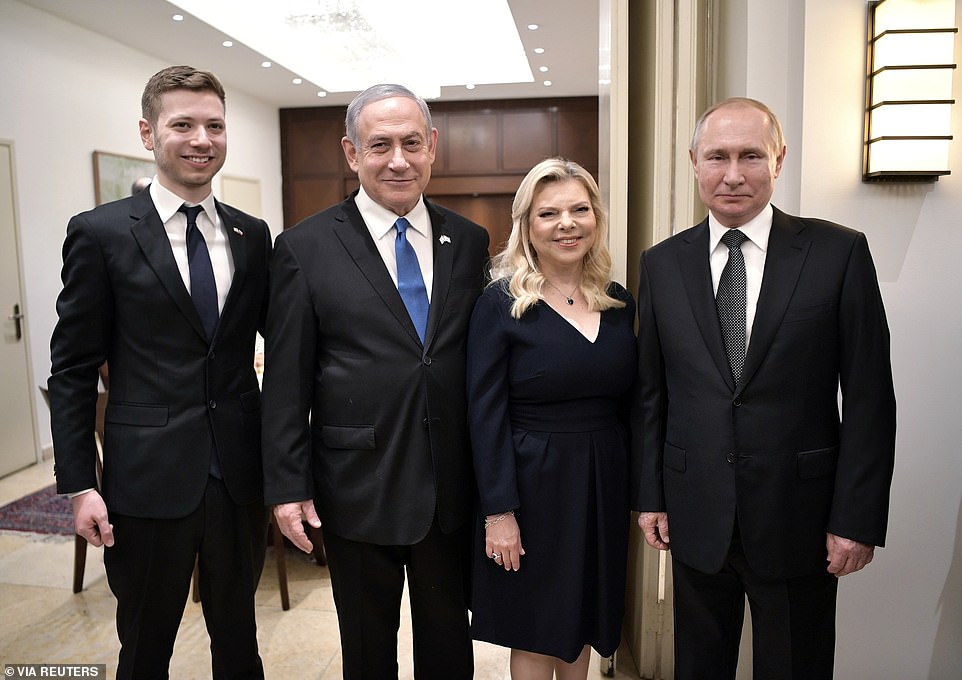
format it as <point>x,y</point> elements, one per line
<point>18,446</point>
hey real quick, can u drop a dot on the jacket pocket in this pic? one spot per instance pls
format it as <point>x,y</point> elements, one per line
<point>340,437</point>
<point>675,458</point>
<point>144,415</point>
<point>817,463</point>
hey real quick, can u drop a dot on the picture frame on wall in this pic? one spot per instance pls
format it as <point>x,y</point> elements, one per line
<point>114,174</point>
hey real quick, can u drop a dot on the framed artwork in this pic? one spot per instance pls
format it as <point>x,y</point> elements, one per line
<point>114,175</point>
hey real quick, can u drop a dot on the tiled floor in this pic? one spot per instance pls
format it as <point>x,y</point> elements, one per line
<point>41,621</point>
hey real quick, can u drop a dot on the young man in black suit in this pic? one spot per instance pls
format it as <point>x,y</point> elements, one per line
<point>766,490</point>
<point>364,393</point>
<point>169,287</point>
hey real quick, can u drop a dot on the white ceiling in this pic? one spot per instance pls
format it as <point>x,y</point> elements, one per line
<point>568,32</point>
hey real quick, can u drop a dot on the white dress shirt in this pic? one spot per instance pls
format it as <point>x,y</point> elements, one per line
<point>754,250</point>
<point>209,224</point>
<point>380,222</point>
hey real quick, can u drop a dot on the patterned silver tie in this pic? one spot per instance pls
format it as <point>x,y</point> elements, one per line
<point>731,300</point>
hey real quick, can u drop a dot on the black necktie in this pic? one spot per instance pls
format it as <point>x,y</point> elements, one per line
<point>203,290</point>
<point>410,282</point>
<point>731,300</point>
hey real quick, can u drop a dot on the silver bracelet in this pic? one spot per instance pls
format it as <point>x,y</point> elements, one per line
<point>495,520</point>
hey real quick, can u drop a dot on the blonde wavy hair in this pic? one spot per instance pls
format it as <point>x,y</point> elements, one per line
<point>517,265</point>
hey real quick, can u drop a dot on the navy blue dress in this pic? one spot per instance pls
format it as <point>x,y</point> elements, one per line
<point>547,411</point>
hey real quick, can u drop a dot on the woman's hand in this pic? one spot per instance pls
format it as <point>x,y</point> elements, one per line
<point>502,541</point>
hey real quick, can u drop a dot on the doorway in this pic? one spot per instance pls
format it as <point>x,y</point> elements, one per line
<point>18,448</point>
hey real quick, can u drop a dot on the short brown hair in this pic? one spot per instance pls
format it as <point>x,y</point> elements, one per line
<point>177,78</point>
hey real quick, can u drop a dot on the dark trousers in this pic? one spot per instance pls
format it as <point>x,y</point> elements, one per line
<point>368,581</point>
<point>793,622</point>
<point>149,571</point>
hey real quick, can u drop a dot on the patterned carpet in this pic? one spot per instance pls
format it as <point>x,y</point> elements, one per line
<point>42,512</point>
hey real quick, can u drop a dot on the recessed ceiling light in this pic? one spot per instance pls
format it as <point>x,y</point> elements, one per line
<point>547,83</point>
<point>539,50</point>
<point>321,93</point>
<point>178,17</point>
<point>266,64</point>
<point>543,69</point>
<point>469,87</point>
<point>228,43</point>
<point>297,81</point>
<point>533,27</point>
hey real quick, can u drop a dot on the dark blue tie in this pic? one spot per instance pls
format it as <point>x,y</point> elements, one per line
<point>410,283</point>
<point>203,290</point>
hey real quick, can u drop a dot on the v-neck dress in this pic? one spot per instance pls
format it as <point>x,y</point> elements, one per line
<point>547,413</point>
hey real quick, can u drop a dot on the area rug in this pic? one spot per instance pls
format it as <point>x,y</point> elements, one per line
<point>42,512</point>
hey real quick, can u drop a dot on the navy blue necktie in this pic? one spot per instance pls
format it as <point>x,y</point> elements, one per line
<point>410,282</point>
<point>203,289</point>
<point>732,301</point>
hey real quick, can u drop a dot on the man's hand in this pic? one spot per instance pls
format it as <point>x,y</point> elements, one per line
<point>290,518</point>
<point>846,556</point>
<point>90,519</point>
<point>655,527</point>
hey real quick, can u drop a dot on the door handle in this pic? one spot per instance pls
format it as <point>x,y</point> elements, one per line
<point>15,317</point>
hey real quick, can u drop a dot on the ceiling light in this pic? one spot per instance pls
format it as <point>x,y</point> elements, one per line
<point>539,50</point>
<point>266,64</point>
<point>348,45</point>
<point>178,17</point>
<point>297,81</point>
<point>548,83</point>
<point>469,86</point>
<point>322,93</point>
<point>228,43</point>
<point>543,69</point>
<point>533,27</point>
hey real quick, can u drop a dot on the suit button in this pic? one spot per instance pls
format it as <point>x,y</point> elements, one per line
<point>425,423</point>
<point>211,355</point>
<point>737,402</point>
<point>730,457</point>
<point>426,361</point>
<point>212,404</point>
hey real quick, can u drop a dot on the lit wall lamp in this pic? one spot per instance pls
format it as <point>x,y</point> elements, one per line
<point>908,90</point>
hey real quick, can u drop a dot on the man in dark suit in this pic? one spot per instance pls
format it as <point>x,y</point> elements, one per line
<point>766,490</point>
<point>172,302</point>
<point>364,393</point>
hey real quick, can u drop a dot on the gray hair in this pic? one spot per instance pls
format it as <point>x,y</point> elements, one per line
<point>774,127</point>
<point>376,93</point>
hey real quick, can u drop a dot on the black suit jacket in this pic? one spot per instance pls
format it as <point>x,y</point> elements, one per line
<point>171,391</point>
<point>774,450</point>
<point>358,415</point>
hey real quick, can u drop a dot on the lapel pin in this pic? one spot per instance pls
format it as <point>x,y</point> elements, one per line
<point>444,239</point>
<point>238,231</point>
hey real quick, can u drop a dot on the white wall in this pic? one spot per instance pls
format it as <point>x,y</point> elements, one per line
<point>66,93</point>
<point>902,616</point>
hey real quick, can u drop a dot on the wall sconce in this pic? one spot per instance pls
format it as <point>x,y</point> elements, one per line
<point>908,90</point>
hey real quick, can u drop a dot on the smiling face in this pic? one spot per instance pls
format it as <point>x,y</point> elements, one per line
<point>736,163</point>
<point>561,226</point>
<point>189,141</point>
<point>396,152</point>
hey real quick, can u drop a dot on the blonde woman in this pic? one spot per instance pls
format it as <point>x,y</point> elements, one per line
<point>551,356</point>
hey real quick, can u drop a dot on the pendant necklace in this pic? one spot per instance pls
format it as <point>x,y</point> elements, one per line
<point>569,297</point>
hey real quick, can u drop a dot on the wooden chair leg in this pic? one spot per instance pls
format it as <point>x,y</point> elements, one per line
<point>79,562</point>
<point>195,589</point>
<point>281,559</point>
<point>317,538</point>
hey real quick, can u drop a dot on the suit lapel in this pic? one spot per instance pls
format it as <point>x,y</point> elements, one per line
<point>787,249</point>
<point>443,247</point>
<point>148,231</point>
<point>693,259</point>
<point>237,238</point>
<point>354,235</point>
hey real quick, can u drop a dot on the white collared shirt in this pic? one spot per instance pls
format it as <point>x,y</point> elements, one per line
<point>380,222</point>
<point>167,204</point>
<point>754,251</point>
